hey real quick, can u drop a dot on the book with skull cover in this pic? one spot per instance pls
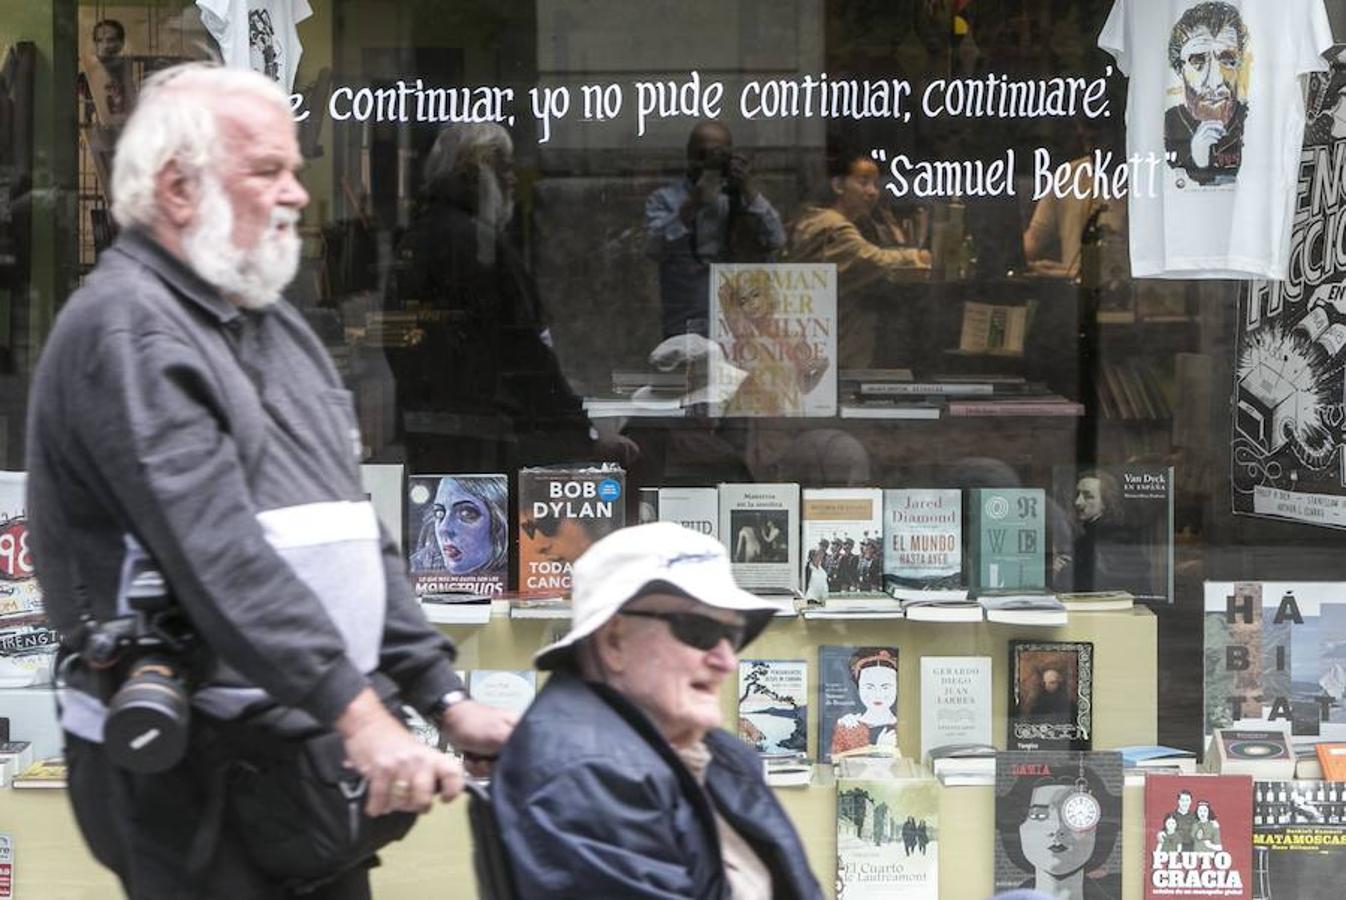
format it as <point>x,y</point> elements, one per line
<point>1058,820</point>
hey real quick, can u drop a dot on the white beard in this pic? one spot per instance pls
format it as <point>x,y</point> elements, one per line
<point>251,278</point>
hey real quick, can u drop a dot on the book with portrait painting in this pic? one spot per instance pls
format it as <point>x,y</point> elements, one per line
<point>1112,530</point>
<point>773,333</point>
<point>759,525</point>
<point>1198,836</point>
<point>857,701</point>
<point>773,707</point>
<point>842,544</point>
<point>562,511</point>
<point>887,838</point>
<point>1299,839</point>
<point>458,534</point>
<point>1058,822</point>
<point>1051,695</point>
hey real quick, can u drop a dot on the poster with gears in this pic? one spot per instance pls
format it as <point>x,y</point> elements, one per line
<point>1288,427</point>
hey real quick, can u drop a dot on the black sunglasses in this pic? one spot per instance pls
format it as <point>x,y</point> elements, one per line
<point>699,632</point>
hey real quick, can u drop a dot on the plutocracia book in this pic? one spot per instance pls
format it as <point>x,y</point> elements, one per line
<point>774,337</point>
<point>1198,836</point>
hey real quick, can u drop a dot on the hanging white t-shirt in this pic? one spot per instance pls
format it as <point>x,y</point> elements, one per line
<point>1216,87</point>
<point>258,34</point>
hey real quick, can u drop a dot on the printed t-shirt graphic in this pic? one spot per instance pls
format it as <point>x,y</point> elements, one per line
<point>258,34</point>
<point>1209,58</point>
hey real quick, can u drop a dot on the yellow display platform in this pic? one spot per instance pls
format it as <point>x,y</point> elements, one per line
<point>51,862</point>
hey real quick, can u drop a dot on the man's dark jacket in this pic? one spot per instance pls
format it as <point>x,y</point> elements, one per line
<point>594,803</point>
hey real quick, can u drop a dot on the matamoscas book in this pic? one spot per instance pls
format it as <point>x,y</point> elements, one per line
<point>842,543</point>
<point>1299,839</point>
<point>857,701</point>
<point>887,839</point>
<point>759,524</point>
<point>562,511</point>
<point>955,701</point>
<point>923,538</point>
<point>458,533</point>
<point>1120,534</point>
<point>1006,531</point>
<point>1273,657</point>
<point>773,327</point>
<point>1198,836</point>
<point>1058,821</point>
<point>27,644</point>
<point>773,709</point>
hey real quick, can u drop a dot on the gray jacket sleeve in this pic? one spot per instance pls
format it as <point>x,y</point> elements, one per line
<point>149,418</point>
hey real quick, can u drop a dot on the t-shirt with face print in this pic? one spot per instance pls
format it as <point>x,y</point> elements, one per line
<point>1215,96</point>
<point>258,35</point>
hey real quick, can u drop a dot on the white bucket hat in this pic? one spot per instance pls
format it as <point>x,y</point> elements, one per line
<point>618,567</point>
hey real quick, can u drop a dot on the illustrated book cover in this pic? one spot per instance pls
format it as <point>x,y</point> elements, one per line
<point>27,644</point>
<point>923,538</point>
<point>1299,839</point>
<point>773,708</point>
<point>1275,656</point>
<point>458,533</point>
<point>759,524</point>
<point>773,330</point>
<point>562,511</point>
<point>1114,531</point>
<point>955,701</point>
<point>1006,533</point>
<point>842,542</point>
<point>857,701</point>
<point>1198,836</point>
<point>887,839</point>
<point>1058,822</point>
<point>1051,695</point>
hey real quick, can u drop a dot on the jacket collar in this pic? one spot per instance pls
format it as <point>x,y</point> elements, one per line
<point>144,249</point>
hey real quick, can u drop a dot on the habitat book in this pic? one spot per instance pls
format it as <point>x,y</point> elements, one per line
<point>887,839</point>
<point>697,508</point>
<point>458,534</point>
<point>923,538</point>
<point>1006,531</point>
<point>1058,822</point>
<point>955,701</point>
<point>1117,531</point>
<point>857,701</point>
<point>842,543</point>
<point>759,524</point>
<point>1276,657</point>
<point>27,644</point>
<point>773,708</point>
<point>1299,839</point>
<point>1198,836</point>
<point>774,327</point>
<point>1051,695</point>
<point>562,511</point>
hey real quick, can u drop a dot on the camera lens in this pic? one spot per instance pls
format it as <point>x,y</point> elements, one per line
<point>146,728</point>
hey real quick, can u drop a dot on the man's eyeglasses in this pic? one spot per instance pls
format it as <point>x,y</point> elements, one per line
<point>699,632</point>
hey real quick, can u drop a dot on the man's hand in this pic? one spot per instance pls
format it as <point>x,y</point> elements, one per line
<point>404,775</point>
<point>478,732</point>
<point>1205,137</point>
<point>740,177</point>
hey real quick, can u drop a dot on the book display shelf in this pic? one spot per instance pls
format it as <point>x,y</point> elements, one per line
<point>57,866</point>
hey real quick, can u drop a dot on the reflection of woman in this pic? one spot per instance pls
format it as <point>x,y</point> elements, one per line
<point>1058,857</point>
<point>780,369</point>
<point>874,671</point>
<point>465,531</point>
<point>1206,831</point>
<point>1169,839</point>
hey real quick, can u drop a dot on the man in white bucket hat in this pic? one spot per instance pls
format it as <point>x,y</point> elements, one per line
<point>619,782</point>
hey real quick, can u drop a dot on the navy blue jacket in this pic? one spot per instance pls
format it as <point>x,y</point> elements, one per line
<point>593,802</point>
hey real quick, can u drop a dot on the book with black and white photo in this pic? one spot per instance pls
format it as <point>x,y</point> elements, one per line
<point>842,543</point>
<point>697,508</point>
<point>923,538</point>
<point>888,838</point>
<point>759,525</point>
<point>1299,838</point>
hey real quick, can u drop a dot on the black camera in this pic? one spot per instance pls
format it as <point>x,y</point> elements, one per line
<point>149,656</point>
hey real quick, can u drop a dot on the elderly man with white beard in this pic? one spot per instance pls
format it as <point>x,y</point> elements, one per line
<point>184,419</point>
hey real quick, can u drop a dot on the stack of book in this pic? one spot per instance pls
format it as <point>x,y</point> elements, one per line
<point>938,606</point>
<point>1024,609</point>
<point>963,764</point>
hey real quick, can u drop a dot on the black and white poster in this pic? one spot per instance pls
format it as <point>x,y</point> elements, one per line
<point>1288,426</point>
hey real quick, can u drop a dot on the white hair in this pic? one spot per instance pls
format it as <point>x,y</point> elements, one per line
<point>175,121</point>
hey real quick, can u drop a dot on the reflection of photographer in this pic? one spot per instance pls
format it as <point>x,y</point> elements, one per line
<point>714,213</point>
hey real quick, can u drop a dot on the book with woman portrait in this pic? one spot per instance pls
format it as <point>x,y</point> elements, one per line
<point>857,701</point>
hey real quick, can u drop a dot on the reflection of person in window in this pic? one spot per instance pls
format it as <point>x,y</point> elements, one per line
<point>714,213</point>
<point>844,227</point>
<point>1064,227</point>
